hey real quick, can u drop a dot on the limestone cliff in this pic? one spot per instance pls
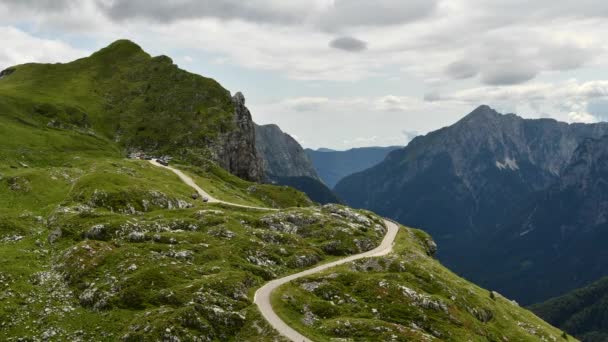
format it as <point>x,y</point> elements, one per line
<point>235,151</point>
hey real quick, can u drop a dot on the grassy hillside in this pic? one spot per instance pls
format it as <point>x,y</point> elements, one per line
<point>103,249</point>
<point>123,94</point>
<point>405,296</point>
<point>581,312</point>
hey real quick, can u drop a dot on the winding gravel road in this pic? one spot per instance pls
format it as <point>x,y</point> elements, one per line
<point>263,294</point>
<point>186,179</point>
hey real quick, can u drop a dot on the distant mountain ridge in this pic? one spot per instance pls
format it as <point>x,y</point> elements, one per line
<point>333,165</point>
<point>465,183</point>
<point>286,163</point>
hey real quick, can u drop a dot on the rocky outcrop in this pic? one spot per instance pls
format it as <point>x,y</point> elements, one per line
<point>282,155</point>
<point>235,151</point>
<point>6,72</point>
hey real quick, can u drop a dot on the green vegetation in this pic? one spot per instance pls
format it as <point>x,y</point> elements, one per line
<point>222,185</point>
<point>123,94</point>
<point>120,247</point>
<point>581,312</point>
<point>405,296</point>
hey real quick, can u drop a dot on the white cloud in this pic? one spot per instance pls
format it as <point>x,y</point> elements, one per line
<point>567,101</point>
<point>19,47</point>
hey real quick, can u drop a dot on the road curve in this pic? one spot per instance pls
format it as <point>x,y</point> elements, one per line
<point>186,179</point>
<point>263,294</point>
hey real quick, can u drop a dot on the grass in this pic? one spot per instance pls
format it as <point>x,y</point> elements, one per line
<point>190,270</point>
<point>365,300</point>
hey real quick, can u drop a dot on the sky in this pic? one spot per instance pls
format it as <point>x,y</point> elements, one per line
<point>348,73</point>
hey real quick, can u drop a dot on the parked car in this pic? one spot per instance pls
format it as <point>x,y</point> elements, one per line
<point>162,162</point>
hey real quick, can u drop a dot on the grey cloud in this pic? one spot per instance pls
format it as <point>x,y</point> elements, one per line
<point>354,13</point>
<point>348,44</point>
<point>462,70</point>
<point>39,5</point>
<point>271,11</point>
<point>508,74</point>
<point>432,97</point>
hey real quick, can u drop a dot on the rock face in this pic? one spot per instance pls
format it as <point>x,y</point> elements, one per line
<point>235,151</point>
<point>465,183</point>
<point>282,155</point>
<point>285,162</point>
<point>562,231</point>
<point>332,166</point>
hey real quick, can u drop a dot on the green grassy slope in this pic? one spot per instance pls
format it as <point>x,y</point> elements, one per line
<point>104,248</point>
<point>123,94</point>
<point>405,296</point>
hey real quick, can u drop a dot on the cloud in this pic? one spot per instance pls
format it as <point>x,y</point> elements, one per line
<point>508,73</point>
<point>306,104</point>
<point>432,96</point>
<point>356,13</point>
<point>462,70</point>
<point>260,11</point>
<point>20,47</point>
<point>392,103</point>
<point>582,117</point>
<point>570,101</point>
<point>39,5</point>
<point>349,44</point>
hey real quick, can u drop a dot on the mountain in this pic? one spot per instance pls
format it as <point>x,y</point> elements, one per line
<point>283,156</point>
<point>98,247</point>
<point>143,103</point>
<point>332,165</point>
<point>581,312</point>
<point>562,231</point>
<point>465,183</point>
<point>286,163</point>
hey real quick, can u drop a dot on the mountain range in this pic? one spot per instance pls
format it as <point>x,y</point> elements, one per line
<point>333,165</point>
<point>516,205</point>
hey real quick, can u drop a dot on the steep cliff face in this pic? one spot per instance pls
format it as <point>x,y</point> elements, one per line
<point>285,162</point>
<point>282,155</point>
<point>236,150</point>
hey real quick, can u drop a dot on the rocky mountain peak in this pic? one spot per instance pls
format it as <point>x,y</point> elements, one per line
<point>239,99</point>
<point>483,112</point>
<point>236,150</point>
